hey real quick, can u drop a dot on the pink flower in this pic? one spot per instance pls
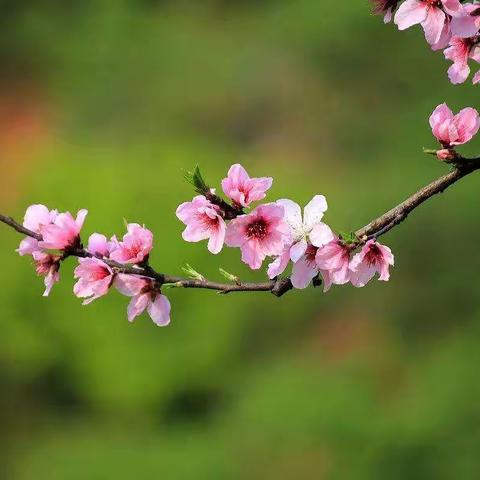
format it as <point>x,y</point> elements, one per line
<point>63,232</point>
<point>35,217</point>
<point>333,261</point>
<point>373,258</point>
<point>94,279</point>
<point>453,130</point>
<point>242,189</point>
<point>259,234</point>
<point>135,247</point>
<point>459,51</point>
<point>433,15</point>
<point>310,228</point>
<point>99,246</point>
<point>48,266</point>
<point>144,296</point>
<point>204,221</point>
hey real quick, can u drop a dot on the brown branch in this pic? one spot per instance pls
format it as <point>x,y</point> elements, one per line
<point>19,228</point>
<point>398,214</point>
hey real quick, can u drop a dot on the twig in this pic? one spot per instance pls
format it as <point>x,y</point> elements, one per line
<point>398,214</point>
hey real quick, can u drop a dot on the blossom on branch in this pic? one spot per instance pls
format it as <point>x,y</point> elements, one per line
<point>310,228</point>
<point>333,261</point>
<point>48,266</point>
<point>135,247</point>
<point>35,217</point>
<point>204,221</point>
<point>243,190</point>
<point>64,232</point>
<point>99,246</point>
<point>459,52</point>
<point>373,258</point>
<point>94,279</point>
<point>145,296</point>
<point>451,130</point>
<point>259,234</point>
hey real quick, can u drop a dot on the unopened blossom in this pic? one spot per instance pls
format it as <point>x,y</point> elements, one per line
<point>373,258</point>
<point>48,266</point>
<point>259,234</point>
<point>433,15</point>
<point>94,279</point>
<point>385,8</point>
<point>99,246</point>
<point>145,296</point>
<point>459,52</point>
<point>204,221</point>
<point>64,232</point>
<point>310,228</point>
<point>450,129</point>
<point>333,261</point>
<point>135,245</point>
<point>35,217</point>
<point>243,190</point>
<point>446,154</point>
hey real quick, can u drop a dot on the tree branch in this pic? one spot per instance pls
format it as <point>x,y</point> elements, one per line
<point>398,214</point>
<point>280,286</point>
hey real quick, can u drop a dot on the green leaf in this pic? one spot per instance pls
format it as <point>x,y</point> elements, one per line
<point>196,179</point>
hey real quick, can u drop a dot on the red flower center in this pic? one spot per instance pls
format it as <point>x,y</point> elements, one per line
<point>310,254</point>
<point>373,256</point>
<point>258,229</point>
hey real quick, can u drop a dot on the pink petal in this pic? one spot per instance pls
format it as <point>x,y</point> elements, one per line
<point>433,25</point>
<point>464,26</point>
<point>410,13</point>
<point>467,123</point>
<point>137,306</point>
<point>314,210</point>
<point>297,250</point>
<point>217,238</point>
<point>130,285</point>
<point>159,310</point>
<point>98,245</point>
<point>302,273</point>
<point>292,214</point>
<point>278,266</point>
<point>321,235</point>
<point>28,246</point>
<point>35,216</point>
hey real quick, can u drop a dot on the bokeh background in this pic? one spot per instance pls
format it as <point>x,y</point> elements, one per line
<point>103,105</point>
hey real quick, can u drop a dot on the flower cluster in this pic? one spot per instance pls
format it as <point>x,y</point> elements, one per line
<point>449,25</point>
<point>96,272</point>
<point>279,230</point>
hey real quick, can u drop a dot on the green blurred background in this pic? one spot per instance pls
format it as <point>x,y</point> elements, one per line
<point>103,105</point>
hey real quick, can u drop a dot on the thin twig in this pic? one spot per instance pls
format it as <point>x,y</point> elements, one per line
<point>398,214</point>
